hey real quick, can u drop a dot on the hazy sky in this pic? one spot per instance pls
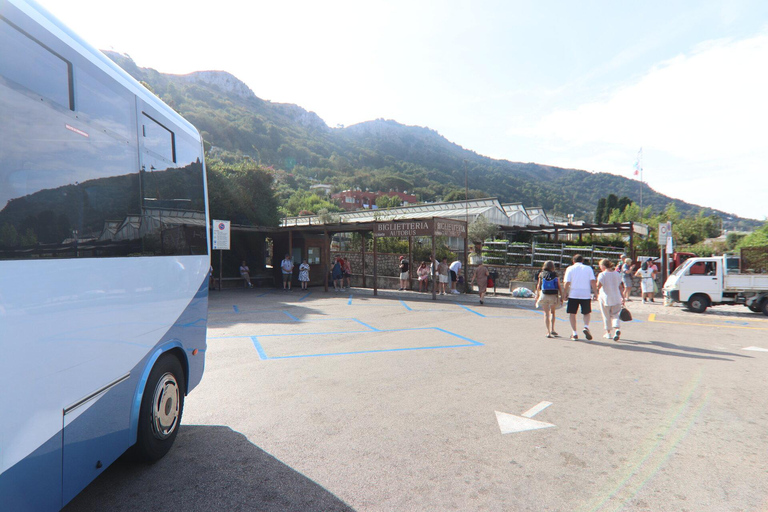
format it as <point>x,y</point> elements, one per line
<point>573,84</point>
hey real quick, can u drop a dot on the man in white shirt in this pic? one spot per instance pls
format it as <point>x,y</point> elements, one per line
<point>581,290</point>
<point>455,269</point>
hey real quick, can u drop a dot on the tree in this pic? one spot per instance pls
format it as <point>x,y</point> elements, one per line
<point>601,215</point>
<point>388,201</point>
<point>481,230</point>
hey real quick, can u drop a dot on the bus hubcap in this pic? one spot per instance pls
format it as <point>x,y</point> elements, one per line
<point>165,406</point>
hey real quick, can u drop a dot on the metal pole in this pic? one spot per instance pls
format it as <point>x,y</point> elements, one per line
<point>433,263</point>
<point>362,235</point>
<point>221,266</point>
<point>375,264</point>
<point>325,256</point>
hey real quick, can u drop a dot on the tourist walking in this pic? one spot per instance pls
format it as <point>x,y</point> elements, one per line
<point>287,268</point>
<point>580,289</point>
<point>304,274</point>
<point>245,273</point>
<point>455,269</point>
<point>405,274</point>
<point>481,276</point>
<point>626,277</point>
<point>647,277</point>
<point>423,274</point>
<point>610,287</point>
<point>549,295</point>
<point>443,271</point>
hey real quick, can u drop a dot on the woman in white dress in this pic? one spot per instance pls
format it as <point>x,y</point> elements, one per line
<point>647,276</point>
<point>304,274</point>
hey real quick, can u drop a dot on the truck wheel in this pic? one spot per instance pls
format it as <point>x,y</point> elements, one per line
<point>756,307</point>
<point>698,303</point>
<point>161,408</point>
<point>764,307</point>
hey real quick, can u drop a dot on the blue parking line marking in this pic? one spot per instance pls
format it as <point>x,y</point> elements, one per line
<point>406,306</point>
<point>349,303</point>
<point>291,316</point>
<point>304,297</point>
<point>262,355</point>
<point>265,293</point>
<point>365,325</point>
<point>470,310</point>
<point>237,310</point>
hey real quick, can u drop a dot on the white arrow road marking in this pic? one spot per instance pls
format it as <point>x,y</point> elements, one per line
<point>509,423</point>
<point>533,411</point>
<point>756,349</point>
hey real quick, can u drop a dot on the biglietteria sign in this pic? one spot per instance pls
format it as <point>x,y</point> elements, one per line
<point>407,228</point>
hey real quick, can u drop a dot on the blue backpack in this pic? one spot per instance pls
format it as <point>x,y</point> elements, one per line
<point>549,282</point>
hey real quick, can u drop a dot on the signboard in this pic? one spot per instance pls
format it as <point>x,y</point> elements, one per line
<point>447,227</point>
<point>665,231</point>
<point>221,235</point>
<point>403,228</point>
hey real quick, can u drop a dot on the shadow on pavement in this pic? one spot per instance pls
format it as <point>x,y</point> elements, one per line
<point>651,347</point>
<point>208,468</point>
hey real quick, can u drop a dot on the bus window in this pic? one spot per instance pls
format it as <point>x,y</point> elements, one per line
<point>157,138</point>
<point>110,107</point>
<point>34,66</point>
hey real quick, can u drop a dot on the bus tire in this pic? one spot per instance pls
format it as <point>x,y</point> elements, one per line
<point>161,409</point>
<point>764,307</point>
<point>698,303</point>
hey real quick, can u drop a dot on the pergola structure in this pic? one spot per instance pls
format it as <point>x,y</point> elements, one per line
<point>562,228</point>
<point>421,227</point>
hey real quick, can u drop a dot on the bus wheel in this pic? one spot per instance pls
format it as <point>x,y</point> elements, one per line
<point>698,303</point>
<point>764,306</point>
<point>161,408</point>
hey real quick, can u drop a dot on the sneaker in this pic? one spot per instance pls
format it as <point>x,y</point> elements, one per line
<point>549,335</point>
<point>554,334</point>
<point>607,336</point>
<point>616,336</point>
<point>481,302</point>
<point>575,337</point>
<point>587,334</point>
<point>456,292</point>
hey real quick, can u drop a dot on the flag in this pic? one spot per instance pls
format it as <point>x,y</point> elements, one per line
<point>639,163</point>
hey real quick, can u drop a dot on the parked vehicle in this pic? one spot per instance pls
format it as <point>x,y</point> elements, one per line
<point>703,282</point>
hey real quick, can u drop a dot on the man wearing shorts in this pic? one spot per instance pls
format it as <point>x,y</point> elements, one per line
<point>455,269</point>
<point>581,290</point>
<point>287,267</point>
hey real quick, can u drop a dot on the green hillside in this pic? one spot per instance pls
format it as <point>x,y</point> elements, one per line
<point>380,154</point>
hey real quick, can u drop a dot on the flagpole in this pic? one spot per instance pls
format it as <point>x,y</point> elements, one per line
<point>640,168</point>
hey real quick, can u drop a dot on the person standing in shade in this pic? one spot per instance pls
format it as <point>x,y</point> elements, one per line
<point>423,274</point>
<point>337,274</point>
<point>581,291</point>
<point>405,274</point>
<point>245,273</point>
<point>287,268</point>
<point>610,299</point>
<point>481,275</point>
<point>455,269</point>
<point>346,268</point>
<point>626,277</point>
<point>647,276</point>
<point>549,295</point>
<point>304,274</point>
<point>443,275</point>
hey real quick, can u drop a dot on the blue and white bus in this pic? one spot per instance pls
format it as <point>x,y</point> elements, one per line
<point>104,263</point>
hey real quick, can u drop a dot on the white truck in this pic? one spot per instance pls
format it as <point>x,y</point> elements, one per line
<point>702,282</point>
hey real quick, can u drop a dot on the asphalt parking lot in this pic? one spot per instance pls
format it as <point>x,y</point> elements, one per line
<point>315,401</point>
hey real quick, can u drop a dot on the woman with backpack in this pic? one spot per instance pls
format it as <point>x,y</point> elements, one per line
<point>549,295</point>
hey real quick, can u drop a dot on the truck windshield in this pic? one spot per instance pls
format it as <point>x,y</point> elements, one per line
<point>682,268</point>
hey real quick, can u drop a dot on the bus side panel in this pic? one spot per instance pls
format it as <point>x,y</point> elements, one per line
<point>34,483</point>
<point>96,438</point>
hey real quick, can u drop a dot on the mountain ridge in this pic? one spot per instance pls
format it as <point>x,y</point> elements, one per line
<point>382,153</point>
